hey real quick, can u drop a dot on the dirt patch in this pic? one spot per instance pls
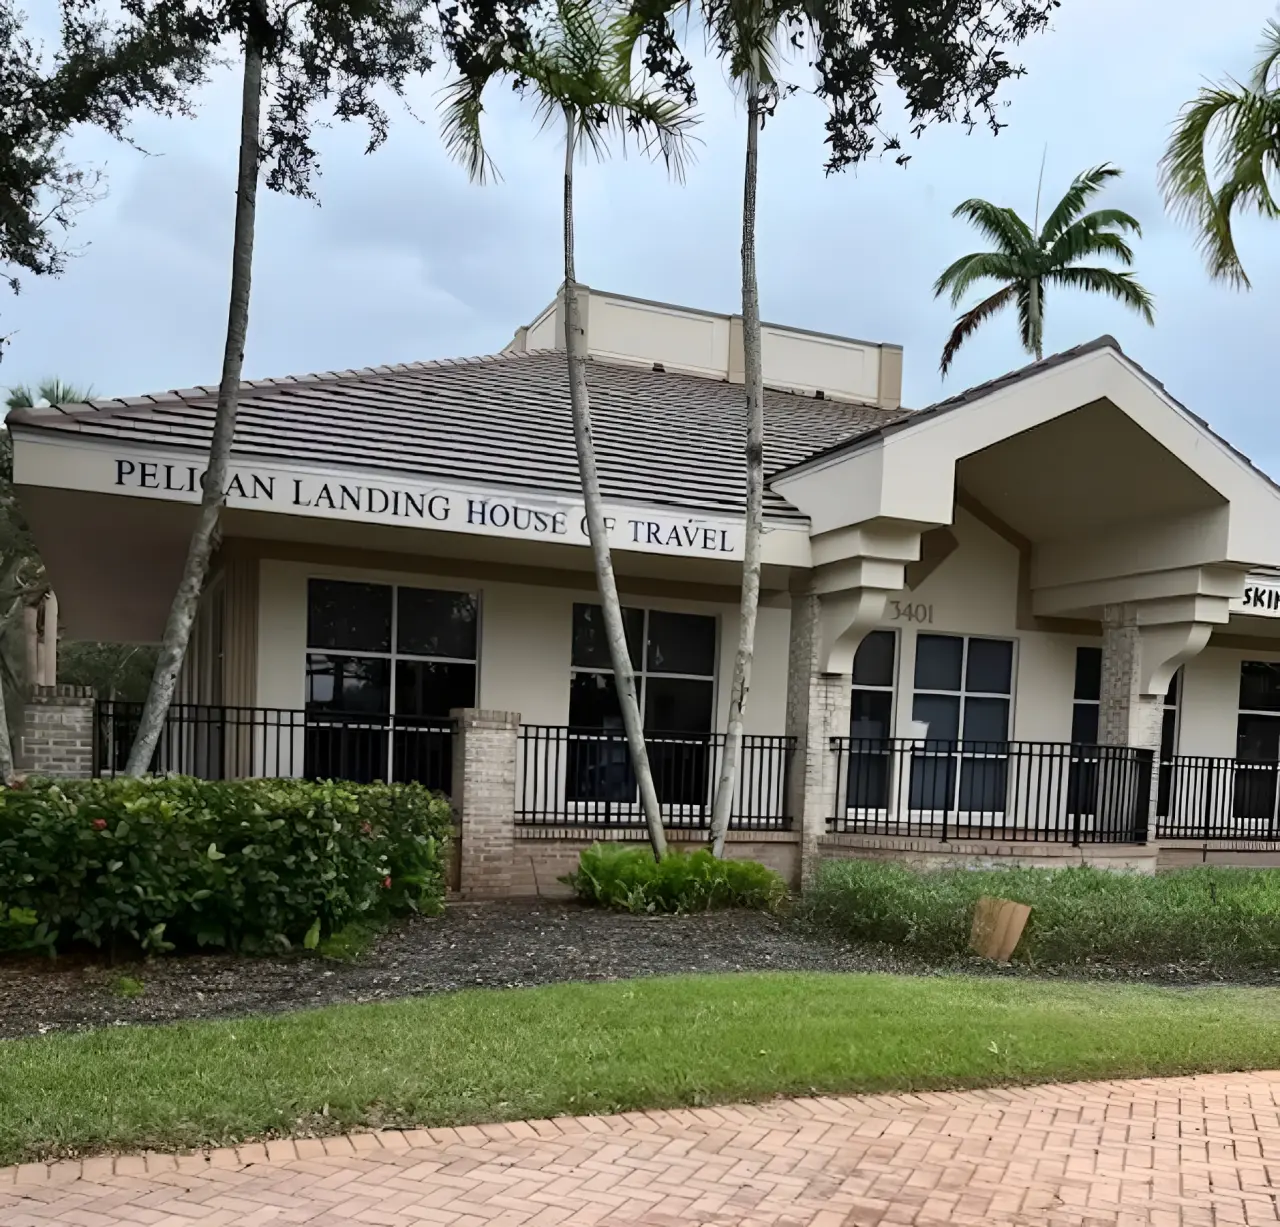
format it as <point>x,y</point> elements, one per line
<point>495,945</point>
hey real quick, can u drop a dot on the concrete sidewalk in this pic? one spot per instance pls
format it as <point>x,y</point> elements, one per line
<point>1196,1151</point>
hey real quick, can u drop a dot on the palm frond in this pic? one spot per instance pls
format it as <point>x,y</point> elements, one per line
<point>1124,287</point>
<point>460,126</point>
<point>1079,241</point>
<point>746,35</point>
<point>1083,188</point>
<point>1269,49</point>
<point>968,323</point>
<point>1030,333</point>
<point>978,266</point>
<point>1245,125</point>
<point>1002,226</point>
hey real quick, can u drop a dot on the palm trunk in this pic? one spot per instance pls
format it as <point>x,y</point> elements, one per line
<point>619,654</point>
<point>754,520</point>
<point>186,602</point>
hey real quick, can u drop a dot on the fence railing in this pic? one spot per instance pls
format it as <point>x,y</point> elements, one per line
<point>229,743</point>
<point>569,776</point>
<point>1218,798</point>
<point>993,790</point>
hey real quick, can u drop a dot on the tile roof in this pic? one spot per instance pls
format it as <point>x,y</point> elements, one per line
<point>661,437</point>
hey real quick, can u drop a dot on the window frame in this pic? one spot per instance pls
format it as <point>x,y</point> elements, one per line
<point>964,692</point>
<point>891,689</point>
<point>394,655</point>
<point>643,672</point>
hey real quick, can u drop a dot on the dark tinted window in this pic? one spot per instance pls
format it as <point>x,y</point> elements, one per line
<point>354,684</point>
<point>938,662</point>
<point>1084,724</point>
<point>986,719</point>
<point>681,643</point>
<point>873,664</point>
<point>871,713</point>
<point>1088,673</point>
<point>1259,685</point>
<point>433,688</point>
<point>590,645</point>
<point>430,623</point>
<point>677,705</point>
<point>1258,739</point>
<point>990,667</point>
<point>941,712</point>
<point>593,702</point>
<point>356,617</point>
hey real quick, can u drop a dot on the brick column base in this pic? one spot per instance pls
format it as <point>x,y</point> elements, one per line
<point>817,709</point>
<point>484,800</point>
<point>57,733</point>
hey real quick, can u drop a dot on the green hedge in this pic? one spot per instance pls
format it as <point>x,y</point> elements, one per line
<point>609,875</point>
<point>181,863</point>
<point>1221,917</point>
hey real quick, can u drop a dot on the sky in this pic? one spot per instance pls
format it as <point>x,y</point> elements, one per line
<point>404,259</point>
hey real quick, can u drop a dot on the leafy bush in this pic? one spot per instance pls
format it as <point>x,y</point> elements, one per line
<point>178,863</point>
<point>629,878</point>
<point>1222,917</point>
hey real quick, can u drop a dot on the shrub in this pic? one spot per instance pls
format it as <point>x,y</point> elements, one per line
<point>629,878</point>
<point>175,862</point>
<point>1224,917</point>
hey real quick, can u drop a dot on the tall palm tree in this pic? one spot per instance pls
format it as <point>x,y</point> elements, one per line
<point>1027,259</point>
<point>1244,121</point>
<point>571,68</point>
<point>745,34</point>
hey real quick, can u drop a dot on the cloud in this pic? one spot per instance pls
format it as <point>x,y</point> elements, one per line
<point>405,259</point>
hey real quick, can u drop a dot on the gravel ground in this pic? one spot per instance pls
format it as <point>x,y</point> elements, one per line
<point>496,945</point>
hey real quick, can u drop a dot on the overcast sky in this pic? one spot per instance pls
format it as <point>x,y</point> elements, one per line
<point>406,260</point>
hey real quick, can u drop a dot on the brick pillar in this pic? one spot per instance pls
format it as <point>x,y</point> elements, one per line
<point>484,799</point>
<point>1126,716</point>
<point>57,733</point>
<point>818,708</point>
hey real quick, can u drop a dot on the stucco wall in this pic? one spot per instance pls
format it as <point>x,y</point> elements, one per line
<point>524,642</point>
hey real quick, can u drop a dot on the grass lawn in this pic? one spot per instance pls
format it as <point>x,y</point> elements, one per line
<point>491,1055</point>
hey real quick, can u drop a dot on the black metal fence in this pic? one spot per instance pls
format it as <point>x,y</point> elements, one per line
<point>583,777</point>
<point>230,743</point>
<point>1218,798</point>
<point>995,790</point>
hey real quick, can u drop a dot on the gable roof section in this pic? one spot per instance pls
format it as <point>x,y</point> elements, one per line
<point>1009,378</point>
<point>661,437</point>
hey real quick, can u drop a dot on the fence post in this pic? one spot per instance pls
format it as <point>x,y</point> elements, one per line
<point>57,733</point>
<point>484,799</point>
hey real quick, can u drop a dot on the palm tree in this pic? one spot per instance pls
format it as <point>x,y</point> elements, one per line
<point>51,391</point>
<point>572,69</point>
<point>1026,259</point>
<point>1245,121</point>
<point>745,32</point>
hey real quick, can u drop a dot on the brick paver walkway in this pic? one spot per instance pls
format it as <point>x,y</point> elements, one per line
<point>1122,1154</point>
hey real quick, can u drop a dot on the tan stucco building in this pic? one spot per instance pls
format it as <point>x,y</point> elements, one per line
<point>959,603</point>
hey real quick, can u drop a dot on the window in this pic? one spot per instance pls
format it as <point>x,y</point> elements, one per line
<point>871,723</point>
<point>1258,740</point>
<point>963,691</point>
<point>385,666</point>
<point>674,657</point>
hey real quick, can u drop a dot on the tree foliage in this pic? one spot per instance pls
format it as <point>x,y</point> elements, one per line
<point>1243,121</point>
<point>1024,262</point>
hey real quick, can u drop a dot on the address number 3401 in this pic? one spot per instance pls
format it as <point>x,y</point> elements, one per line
<point>905,611</point>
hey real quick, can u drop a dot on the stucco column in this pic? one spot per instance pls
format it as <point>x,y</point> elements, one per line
<point>818,708</point>
<point>484,799</point>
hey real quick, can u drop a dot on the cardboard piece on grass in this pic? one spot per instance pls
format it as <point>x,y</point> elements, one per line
<point>997,927</point>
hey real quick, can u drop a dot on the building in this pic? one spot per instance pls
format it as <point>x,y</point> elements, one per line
<point>1027,616</point>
